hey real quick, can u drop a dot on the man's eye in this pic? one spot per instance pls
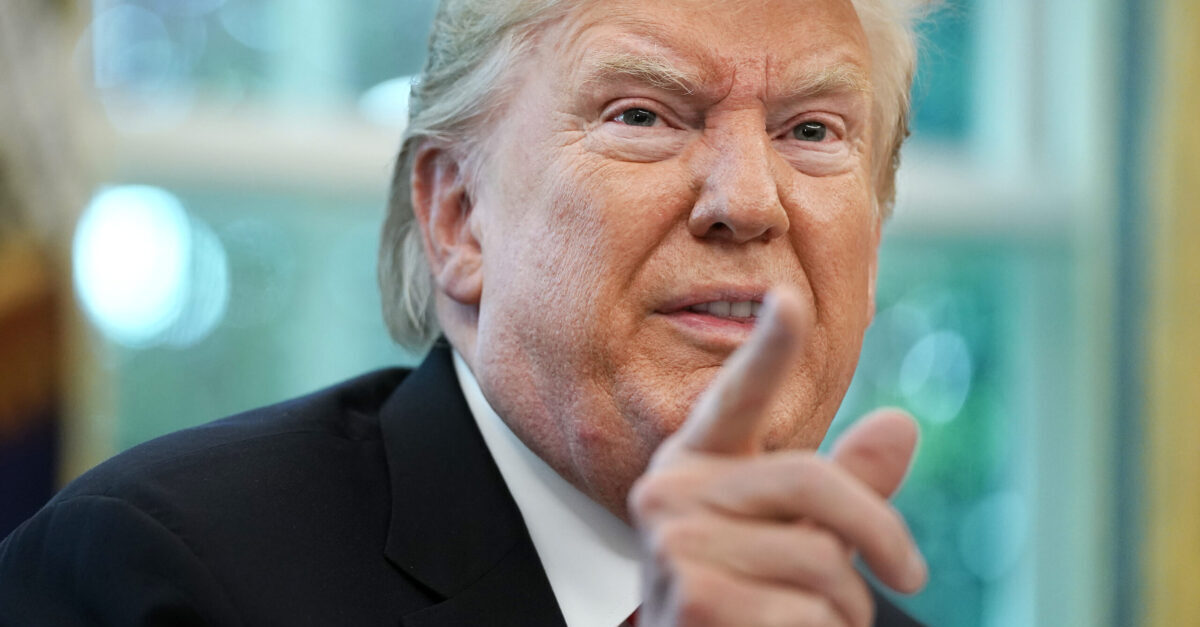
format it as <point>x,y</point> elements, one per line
<point>810,132</point>
<point>637,117</point>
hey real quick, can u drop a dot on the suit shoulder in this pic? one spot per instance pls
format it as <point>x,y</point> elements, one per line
<point>262,507</point>
<point>253,441</point>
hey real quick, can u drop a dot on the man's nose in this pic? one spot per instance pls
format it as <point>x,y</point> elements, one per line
<point>739,197</point>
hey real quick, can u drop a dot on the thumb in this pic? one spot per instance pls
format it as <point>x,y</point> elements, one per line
<point>878,449</point>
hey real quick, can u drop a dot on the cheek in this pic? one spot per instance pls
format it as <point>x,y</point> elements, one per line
<point>564,243</point>
<point>835,240</point>
<point>834,236</point>
<point>609,218</point>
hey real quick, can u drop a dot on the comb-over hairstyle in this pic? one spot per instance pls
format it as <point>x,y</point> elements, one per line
<point>474,43</point>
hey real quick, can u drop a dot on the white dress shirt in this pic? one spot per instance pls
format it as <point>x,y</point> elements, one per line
<point>590,556</point>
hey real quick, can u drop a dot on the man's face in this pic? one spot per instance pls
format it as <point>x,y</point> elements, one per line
<point>657,168</point>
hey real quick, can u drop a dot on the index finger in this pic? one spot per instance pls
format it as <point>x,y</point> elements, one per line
<point>732,412</point>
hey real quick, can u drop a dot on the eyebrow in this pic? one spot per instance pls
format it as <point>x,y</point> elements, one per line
<point>660,73</point>
<point>655,71</point>
<point>836,78</point>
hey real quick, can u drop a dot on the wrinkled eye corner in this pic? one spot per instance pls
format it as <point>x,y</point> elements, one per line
<point>637,117</point>
<point>810,131</point>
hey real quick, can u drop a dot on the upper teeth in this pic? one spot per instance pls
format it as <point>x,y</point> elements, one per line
<point>727,309</point>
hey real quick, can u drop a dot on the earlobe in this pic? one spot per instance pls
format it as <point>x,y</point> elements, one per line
<point>443,209</point>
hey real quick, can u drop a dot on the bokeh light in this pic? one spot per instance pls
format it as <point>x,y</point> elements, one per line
<point>131,48</point>
<point>145,271</point>
<point>252,24</point>
<point>936,376</point>
<point>993,534</point>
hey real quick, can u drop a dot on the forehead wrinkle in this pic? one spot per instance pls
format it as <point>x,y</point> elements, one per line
<point>640,49</point>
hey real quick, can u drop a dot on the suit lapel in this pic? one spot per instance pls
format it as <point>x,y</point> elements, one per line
<point>454,526</point>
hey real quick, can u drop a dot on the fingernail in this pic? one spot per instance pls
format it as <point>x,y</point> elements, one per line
<point>918,571</point>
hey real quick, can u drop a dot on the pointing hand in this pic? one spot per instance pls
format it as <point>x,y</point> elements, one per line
<point>733,535</point>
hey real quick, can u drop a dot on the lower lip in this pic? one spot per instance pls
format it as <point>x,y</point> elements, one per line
<point>723,332</point>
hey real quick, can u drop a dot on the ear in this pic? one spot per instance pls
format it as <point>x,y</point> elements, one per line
<point>443,210</point>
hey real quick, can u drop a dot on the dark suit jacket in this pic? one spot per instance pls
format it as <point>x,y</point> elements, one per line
<point>374,502</point>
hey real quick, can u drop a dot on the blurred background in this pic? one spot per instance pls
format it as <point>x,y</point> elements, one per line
<point>191,190</point>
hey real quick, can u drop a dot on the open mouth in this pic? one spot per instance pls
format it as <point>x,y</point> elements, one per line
<point>734,310</point>
<point>720,319</point>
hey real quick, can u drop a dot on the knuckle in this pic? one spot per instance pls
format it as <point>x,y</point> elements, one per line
<point>830,557</point>
<point>668,489</point>
<point>810,463</point>
<point>676,538</point>
<point>641,500</point>
<point>807,472</point>
<point>652,494</point>
<point>828,548</point>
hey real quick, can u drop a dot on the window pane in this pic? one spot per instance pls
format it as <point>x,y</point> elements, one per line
<point>254,49</point>
<point>943,87</point>
<point>299,309</point>
<point>942,347</point>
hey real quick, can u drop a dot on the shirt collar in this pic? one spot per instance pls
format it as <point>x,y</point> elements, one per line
<point>590,556</point>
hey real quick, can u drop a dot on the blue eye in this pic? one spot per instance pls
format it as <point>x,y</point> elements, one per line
<point>637,117</point>
<point>810,132</point>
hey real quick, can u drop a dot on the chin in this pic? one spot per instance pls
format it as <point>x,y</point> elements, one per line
<point>655,409</point>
